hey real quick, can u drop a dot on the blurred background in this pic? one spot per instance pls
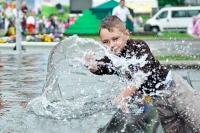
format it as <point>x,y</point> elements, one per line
<point>74,16</point>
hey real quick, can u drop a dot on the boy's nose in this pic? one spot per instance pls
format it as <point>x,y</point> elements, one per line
<point>112,44</point>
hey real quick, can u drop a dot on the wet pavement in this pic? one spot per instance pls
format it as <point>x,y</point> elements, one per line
<point>194,76</point>
<point>174,46</point>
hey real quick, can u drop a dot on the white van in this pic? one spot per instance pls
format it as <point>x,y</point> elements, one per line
<point>172,19</point>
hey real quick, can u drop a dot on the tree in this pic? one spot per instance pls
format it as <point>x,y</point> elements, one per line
<point>162,3</point>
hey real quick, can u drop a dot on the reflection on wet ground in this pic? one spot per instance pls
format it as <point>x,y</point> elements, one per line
<point>21,78</point>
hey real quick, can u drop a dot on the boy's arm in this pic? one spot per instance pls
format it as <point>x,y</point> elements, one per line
<point>121,98</point>
<point>105,66</point>
<point>128,91</point>
<point>99,67</point>
<point>125,93</point>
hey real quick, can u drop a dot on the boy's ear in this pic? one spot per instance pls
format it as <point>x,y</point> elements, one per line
<point>127,33</point>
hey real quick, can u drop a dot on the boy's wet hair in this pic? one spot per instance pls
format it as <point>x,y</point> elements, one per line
<point>110,22</point>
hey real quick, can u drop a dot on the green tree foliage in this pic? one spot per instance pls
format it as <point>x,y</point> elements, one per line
<point>162,3</point>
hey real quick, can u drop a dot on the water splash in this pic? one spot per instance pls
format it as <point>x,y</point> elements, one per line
<point>72,93</point>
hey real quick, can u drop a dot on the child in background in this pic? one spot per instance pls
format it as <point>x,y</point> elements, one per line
<point>31,23</point>
<point>177,103</point>
<point>67,24</point>
<point>41,23</point>
<point>197,25</point>
<point>61,26</point>
<point>47,25</point>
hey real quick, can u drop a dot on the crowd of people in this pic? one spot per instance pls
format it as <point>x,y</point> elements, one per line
<point>45,25</point>
<point>32,23</point>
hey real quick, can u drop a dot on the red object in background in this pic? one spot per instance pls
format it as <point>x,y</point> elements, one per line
<point>6,5</point>
<point>1,66</point>
<point>30,28</point>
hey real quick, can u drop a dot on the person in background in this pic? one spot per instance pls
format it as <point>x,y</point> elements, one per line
<point>140,20</point>
<point>61,10</point>
<point>41,23</point>
<point>71,20</point>
<point>190,29</point>
<point>67,24</point>
<point>23,16</point>
<point>56,24</point>
<point>24,7</point>
<point>122,12</point>
<point>196,30</point>
<point>14,12</point>
<point>198,16</point>
<point>36,27</point>
<point>47,25</point>
<point>31,23</point>
<point>53,23</point>
<point>3,12</point>
<point>135,22</point>
<point>6,16</point>
<point>61,26</point>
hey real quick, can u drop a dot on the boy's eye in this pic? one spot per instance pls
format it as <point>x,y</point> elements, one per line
<point>105,42</point>
<point>116,38</point>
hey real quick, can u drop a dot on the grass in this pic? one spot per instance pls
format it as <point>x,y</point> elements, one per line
<point>47,10</point>
<point>178,57</point>
<point>166,35</point>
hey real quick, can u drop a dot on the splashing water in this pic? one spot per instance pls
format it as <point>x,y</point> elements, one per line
<point>73,94</point>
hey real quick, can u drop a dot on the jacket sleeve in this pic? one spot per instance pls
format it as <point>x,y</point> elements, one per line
<point>105,66</point>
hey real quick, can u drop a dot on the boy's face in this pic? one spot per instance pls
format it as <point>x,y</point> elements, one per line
<point>115,40</point>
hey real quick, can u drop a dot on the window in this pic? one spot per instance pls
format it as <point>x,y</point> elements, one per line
<point>178,14</point>
<point>192,13</point>
<point>163,15</point>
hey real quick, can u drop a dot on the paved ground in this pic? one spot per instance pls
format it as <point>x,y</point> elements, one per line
<point>138,29</point>
<point>174,46</point>
<point>194,76</point>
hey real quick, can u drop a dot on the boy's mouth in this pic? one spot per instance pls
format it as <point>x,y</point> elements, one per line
<point>115,50</point>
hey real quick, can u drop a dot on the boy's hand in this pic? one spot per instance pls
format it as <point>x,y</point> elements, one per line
<point>122,102</point>
<point>90,62</point>
<point>124,95</point>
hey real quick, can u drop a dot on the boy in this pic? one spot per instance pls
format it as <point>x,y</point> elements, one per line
<point>177,103</point>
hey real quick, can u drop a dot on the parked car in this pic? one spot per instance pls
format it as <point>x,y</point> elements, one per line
<point>171,19</point>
